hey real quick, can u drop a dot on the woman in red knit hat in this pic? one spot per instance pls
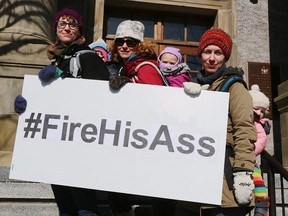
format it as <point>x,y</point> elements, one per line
<point>237,198</point>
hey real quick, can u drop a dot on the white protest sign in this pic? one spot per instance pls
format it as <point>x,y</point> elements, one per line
<point>147,140</point>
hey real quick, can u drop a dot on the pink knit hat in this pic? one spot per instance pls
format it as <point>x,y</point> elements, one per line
<point>172,50</point>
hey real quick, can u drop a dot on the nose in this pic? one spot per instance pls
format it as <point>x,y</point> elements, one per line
<point>212,56</point>
<point>125,45</point>
<point>67,26</point>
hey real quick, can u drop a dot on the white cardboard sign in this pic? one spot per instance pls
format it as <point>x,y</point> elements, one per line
<point>147,140</point>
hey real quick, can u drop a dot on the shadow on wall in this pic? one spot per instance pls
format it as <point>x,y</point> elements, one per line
<point>8,125</point>
<point>25,22</point>
<point>278,35</point>
<point>254,1</point>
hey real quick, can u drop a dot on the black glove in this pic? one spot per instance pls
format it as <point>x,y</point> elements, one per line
<point>49,73</point>
<point>20,104</point>
<point>118,81</point>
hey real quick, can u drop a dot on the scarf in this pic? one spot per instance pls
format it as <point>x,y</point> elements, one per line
<point>175,70</point>
<point>208,78</point>
<point>58,49</point>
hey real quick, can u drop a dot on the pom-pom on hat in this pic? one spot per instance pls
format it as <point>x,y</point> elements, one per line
<point>102,47</point>
<point>259,98</point>
<point>73,13</point>
<point>216,37</point>
<point>129,28</point>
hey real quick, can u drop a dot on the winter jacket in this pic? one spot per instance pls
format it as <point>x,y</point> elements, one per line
<point>177,81</point>
<point>146,74</point>
<point>177,74</point>
<point>92,65</point>
<point>260,144</point>
<point>241,134</point>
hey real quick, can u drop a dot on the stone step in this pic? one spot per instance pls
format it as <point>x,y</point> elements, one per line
<point>26,191</point>
<point>19,198</point>
<point>28,209</point>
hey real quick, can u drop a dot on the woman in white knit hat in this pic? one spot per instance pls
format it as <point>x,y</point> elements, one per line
<point>129,51</point>
<point>134,60</point>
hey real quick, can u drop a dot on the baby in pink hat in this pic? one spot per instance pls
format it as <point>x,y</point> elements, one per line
<point>172,68</point>
<point>101,48</point>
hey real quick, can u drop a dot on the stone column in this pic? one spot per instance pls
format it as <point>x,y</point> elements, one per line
<point>282,103</point>
<point>25,32</point>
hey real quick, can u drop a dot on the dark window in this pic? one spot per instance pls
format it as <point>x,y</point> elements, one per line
<point>177,30</point>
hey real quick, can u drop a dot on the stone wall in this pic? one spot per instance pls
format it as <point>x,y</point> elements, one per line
<point>252,30</point>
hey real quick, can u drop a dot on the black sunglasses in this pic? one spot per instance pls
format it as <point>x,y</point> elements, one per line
<point>129,42</point>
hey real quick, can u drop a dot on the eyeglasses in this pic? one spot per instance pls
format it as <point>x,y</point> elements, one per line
<point>62,25</point>
<point>129,42</point>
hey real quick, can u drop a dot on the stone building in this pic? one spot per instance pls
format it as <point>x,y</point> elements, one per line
<point>258,29</point>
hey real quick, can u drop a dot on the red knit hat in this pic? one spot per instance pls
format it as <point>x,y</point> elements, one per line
<point>73,13</point>
<point>216,37</point>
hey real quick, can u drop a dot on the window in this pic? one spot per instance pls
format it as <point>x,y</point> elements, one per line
<point>165,28</point>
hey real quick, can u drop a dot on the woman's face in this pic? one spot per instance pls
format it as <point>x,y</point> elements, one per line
<point>126,47</point>
<point>212,58</point>
<point>67,30</point>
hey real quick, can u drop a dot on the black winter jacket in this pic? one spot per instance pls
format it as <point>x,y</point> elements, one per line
<point>92,65</point>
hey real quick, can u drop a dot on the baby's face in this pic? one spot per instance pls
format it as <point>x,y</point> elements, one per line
<point>169,58</point>
<point>259,111</point>
<point>100,55</point>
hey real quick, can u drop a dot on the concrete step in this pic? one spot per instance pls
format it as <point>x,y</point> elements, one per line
<point>28,209</point>
<point>18,198</point>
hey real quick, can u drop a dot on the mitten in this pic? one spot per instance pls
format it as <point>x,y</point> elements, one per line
<point>243,187</point>
<point>49,73</point>
<point>20,104</point>
<point>205,87</point>
<point>192,88</point>
<point>267,127</point>
<point>118,81</point>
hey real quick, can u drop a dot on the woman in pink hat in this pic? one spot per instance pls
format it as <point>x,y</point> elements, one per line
<point>68,27</point>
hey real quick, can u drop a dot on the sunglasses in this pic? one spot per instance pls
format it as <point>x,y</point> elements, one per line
<point>129,42</point>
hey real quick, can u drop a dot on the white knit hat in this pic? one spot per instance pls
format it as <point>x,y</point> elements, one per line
<point>259,99</point>
<point>129,28</point>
